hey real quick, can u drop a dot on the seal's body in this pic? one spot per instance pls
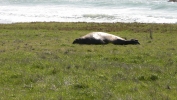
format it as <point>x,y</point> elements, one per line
<point>103,38</point>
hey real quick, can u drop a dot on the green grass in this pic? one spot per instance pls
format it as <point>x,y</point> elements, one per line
<point>39,61</point>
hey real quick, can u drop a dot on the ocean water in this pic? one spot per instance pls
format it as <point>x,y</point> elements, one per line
<point>109,11</point>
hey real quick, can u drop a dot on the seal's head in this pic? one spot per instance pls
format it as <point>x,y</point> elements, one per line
<point>76,41</point>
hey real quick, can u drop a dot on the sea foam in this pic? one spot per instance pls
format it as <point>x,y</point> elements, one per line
<point>109,11</point>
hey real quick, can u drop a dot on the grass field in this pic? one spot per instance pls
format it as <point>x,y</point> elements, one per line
<point>39,62</point>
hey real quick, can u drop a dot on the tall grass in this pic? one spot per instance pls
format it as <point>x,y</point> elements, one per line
<point>39,61</point>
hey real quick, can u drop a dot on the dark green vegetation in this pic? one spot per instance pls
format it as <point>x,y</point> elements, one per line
<point>39,62</point>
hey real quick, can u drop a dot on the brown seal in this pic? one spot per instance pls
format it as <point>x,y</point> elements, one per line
<point>103,38</point>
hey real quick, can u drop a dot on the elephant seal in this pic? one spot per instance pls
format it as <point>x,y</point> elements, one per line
<point>103,38</point>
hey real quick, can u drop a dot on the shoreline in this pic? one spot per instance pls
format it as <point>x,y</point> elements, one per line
<point>6,23</point>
